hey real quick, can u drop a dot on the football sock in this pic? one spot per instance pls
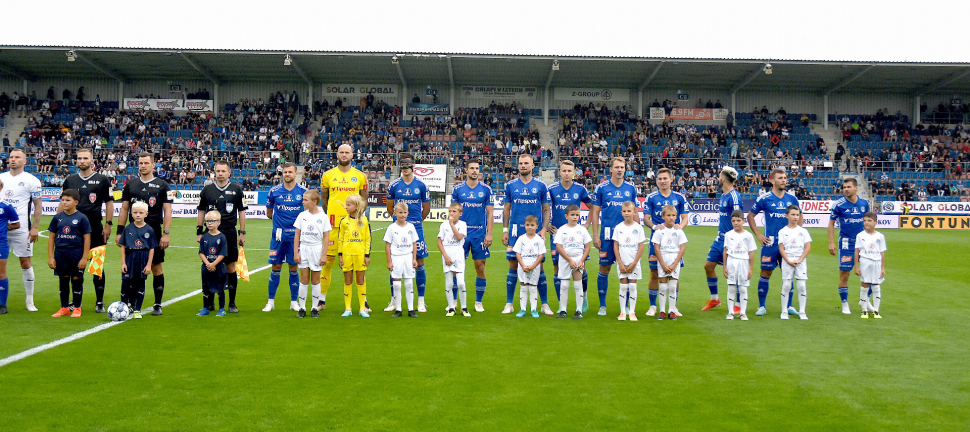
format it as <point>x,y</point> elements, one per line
<point>65,290</point>
<point>29,284</point>
<point>421,278</point>
<point>392,285</point>
<point>4,291</point>
<point>462,292</point>
<point>315,294</point>
<point>449,287</point>
<point>77,290</point>
<point>580,295</point>
<point>409,293</point>
<point>396,288</point>
<point>844,294</point>
<point>543,288</point>
<point>653,296</point>
<point>802,295</point>
<point>327,272</point>
<point>791,294</point>
<point>302,295</point>
<point>99,287</point>
<point>479,289</point>
<point>158,285</point>
<point>138,286</point>
<point>732,291</point>
<point>126,292</point>
<point>876,295</point>
<point>564,295</point>
<point>585,283</point>
<point>222,299</point>
<point>348,291</point>
<point>534,297</point>
<point>454,287</point>
<point>743,299</point>
<point>511,280</point>
<point>662,298</point>
<point>274,283</point>
<point>712,285</point>
<point>294,285</point>
<point>631,289</point>
<point>602,285</point>
<point>555,283</point>
<point>763,284</point>
<point>523,296</point>
<point>864,298</point>
<point>362,295</point>
<point>232,282</point>
<point>785,294</point>
<point>623,290</point>
<point>672,294</point>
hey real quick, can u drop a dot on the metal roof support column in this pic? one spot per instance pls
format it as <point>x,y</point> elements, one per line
<point>25,88</point>
<point>545,104</point>
<point>825,111</point>
<point>734,104</point>
<point>640,103</point>
<point>916,114</point>
<point>451,100</point>
<point>309,97</point>
<point>121,95</point>
<point>215,99</point>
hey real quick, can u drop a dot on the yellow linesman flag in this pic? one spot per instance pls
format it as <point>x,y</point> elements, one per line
<point>242,267</point>
<point>96,261</point>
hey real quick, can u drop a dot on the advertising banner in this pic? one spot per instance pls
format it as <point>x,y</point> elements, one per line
<point>695,113</point>
<point>811,220</point>
<point>433,176</point>
<point>499,93</point>
<point>149,104</point>
<point>357,91</point>
<point>592,94</point>
<point>923,207</point>
<point>178,211</point>
<point>427,109</point>
<point>934,222</point>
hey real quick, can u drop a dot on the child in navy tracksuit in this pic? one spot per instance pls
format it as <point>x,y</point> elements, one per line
<point>67,252</point>
<point>136,258</point>
<point>213,249</point>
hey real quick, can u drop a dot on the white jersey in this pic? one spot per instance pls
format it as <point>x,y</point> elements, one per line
<point>401,238</point>
<point>531,249</point>
<point>794,240</point>
<point>870,246</point>
<point>629,238</point>
<point>572,239</point>
<point>669,240</point>
<point>313,227</point>
<point>452,246</point>
<point>737,245</point>
<point>19,191</point>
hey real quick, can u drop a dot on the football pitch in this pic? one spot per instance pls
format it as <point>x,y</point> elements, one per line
<point>271,371</point>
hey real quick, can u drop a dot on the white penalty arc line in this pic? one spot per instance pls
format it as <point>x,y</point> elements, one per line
<point>91,331</point>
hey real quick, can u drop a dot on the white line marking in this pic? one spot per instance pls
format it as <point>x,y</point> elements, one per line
<point>91,331</point>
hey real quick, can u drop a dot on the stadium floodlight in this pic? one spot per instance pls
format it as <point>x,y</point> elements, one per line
<point>287,60</point>
<point>555,65</point>
<point>767,69</point>
<point>71,55</point>
<point>394,60</point>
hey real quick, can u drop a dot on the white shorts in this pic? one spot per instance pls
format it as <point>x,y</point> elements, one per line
<point>636,274</point>
<point>20,244</point>
<point>310,257</point>
<point>871,270</point>
<point>403,268</point>
<point>565,271</point>
<point>799,272</point>
<point>737,269</point>
<point>531,277</point>
<point>674,274</point>
<point>457,262</point>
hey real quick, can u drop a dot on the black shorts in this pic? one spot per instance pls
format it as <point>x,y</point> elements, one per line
<point>97,236</point>
<point>214,281</point>
<point>159,256</point>
<point>232,246</point>
<point>65,263</point>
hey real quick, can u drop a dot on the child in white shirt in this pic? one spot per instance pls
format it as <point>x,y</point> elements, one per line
<point>572,242</point>
<point>670,243</point>
<point>529,250</point>
<point>451,243</point>
<point>794,245</point>
<point>739,247</point>
<point>870,263</point>
<point>400,247</point>
<point>628,239</point>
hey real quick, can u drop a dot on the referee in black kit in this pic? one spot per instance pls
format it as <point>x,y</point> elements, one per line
<point>95,191</point>
<point>155,192</point>
<point>227,199</point>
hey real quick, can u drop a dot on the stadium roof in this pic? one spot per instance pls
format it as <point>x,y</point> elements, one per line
<point>221,66</point>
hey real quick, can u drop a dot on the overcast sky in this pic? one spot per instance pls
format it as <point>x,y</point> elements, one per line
<point>888,30</point>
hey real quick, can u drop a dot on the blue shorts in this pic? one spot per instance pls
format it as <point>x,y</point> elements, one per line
<point>716,253</point>
<point>607,257</point>
<point>421,244</point>
<point>477,248</point>
<point>770,257</point>
<point>846,253</point>
<point>4,250</point>
<point>280,250</point>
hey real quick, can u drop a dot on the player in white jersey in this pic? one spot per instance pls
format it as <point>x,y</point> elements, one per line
<point>628,242</point>
<point>23,192</point>
<point>794,245</point>
<point>738,259</point>
<point>669,245</point>
<point>529,250</point>
<point>400,247</point>
<point>572,244</point>
<point>870,263</point>
<point>451,243</point>
<point>312,227</point>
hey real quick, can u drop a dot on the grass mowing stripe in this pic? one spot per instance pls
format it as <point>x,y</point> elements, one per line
<point>105,326</point>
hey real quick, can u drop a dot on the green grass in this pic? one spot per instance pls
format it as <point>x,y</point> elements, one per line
<point>270,371</point>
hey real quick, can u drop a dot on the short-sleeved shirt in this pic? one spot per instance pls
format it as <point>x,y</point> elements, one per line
<point>870,246</point>
<point>227,200</point>
<point>8,215</point>
<point>730,202</point>
<point>531,249</point>
<point>287,206</point>
<point>561,198</point>
<point>413,194</point>
<point>69,230</point>
<point>19,191</point>
<point>354,237</point>
<point>154,192</point>
<point>401,238</point>
<point>669,240</point>
<point>95,190</point>
<point>136,238</point>
<point>653,206</point>
<point>610,198</point>
<point>572,239</point>
<point>341,185</point>
<point>525,199</point>
<point>313,227</point>
<point>453,246</point>
<point>794,240</point>
<point>849,214</point>
<point>775,209</point>
<point>629,237</point>
<point>213,246</point>
<point>738,245</point>
<point>474,201</point>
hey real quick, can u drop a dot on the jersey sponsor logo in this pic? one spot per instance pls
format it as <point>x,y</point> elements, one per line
<point>66,230</point>
<point>93,197</point>
<point>213,250</point>
<point>147,234</point>
<point>272,253</point>
<point>74,222</point>
<point>765,259</point>
<point>846,259</point>
<point>139,243</point>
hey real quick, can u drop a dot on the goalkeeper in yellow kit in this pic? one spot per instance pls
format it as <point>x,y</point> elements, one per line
<point>353,251</point>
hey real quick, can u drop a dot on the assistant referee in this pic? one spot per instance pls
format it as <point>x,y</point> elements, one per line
<point>228,199</point>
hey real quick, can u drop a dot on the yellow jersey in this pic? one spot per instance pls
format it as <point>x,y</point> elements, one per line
<point>354,238</point>
<point>341,185</point>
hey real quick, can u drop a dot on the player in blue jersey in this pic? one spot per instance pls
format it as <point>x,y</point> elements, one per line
<point>848,211</point>
<point>524,196</point>
<point>561,195</point>
<point>477,205</point>
<point>283,204</point>
<point>9,220</point>
<point>414,193</point>
<point>606,213</point>
<point>730,201</point>
<point>774,204</point>
<point>653,218</point>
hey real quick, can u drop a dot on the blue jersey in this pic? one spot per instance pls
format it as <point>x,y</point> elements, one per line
<point>139,238</point>
<point>610,198</point>
<point>775,211</point>
<point>286,205</point>
<point>8,215</point>
<point>730,202</point>
<point>69,230</point>
<point>212,246</point>
<point>849,215</point>
<point>654,205</point>
<point>414,194</point>
<point>473,201</point>
<point>561,198</point>
<point>526,199</point>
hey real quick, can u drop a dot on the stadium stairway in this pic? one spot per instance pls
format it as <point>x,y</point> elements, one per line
<point>14,126</point>
<point>548,137</point>
<point>300,169</point>
<point>830,136</point>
